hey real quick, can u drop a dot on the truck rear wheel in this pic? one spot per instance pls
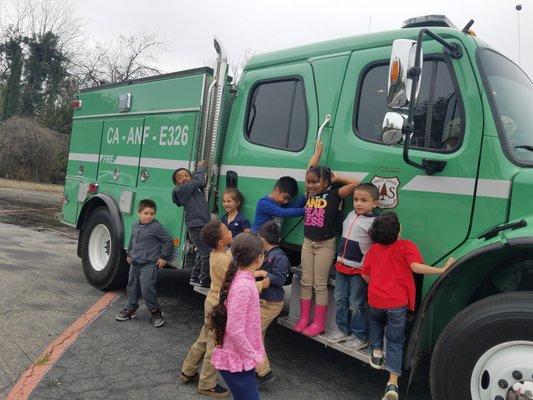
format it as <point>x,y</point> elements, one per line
<point>486,351</point>
<point>103,259</point>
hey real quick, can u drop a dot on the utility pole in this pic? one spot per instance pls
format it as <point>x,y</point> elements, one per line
<point>518,8</point>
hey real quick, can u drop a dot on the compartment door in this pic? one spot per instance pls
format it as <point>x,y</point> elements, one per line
<point>168,146</point>
<point>120,150</point>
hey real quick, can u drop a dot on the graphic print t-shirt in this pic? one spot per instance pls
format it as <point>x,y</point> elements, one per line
<point>321,215</point>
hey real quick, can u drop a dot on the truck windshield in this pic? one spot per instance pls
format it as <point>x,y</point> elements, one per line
<point>511,93</point>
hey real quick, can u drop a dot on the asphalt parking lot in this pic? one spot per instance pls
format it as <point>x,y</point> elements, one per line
<point>43,290</point>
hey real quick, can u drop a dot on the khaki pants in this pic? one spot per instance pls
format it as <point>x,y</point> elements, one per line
<point>200,351</point>
<point>269,311</point>
<point>317,259</point>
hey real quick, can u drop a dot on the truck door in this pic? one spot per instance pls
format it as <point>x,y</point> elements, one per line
<point>272,133</point>
<point>167,146</point>
<point>120,150</point>
<point>435,211</point>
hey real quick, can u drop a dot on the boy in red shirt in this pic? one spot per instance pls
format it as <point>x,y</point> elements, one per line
<point>388,268</point>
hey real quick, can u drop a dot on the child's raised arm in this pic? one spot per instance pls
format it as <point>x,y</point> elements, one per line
<point>315,158</point>
<point>349,184</point>
<point>428,270</point>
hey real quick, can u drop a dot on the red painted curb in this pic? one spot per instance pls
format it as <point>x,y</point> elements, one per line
<point>35,372</point>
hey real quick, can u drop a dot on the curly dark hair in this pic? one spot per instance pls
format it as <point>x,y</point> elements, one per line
<point>321,172</point>
<point>211,233</point>
<point>236,196</point>
<point>175,173</point>
<point>385,228</point>
<point>245,248</point>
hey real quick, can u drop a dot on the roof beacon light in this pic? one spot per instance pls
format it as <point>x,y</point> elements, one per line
<point>428,20</point>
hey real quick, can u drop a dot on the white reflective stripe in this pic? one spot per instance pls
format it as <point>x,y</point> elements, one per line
<point>126,160</point>
<point>83,157</point>
<point>163,164</point>
<point>494,188</point>
<point>351,174</point>
<point>441,184</point>
<point>249,171</point>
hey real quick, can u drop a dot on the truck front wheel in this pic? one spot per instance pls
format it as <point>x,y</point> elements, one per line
<point>486,351</point>
<point>103,258</point>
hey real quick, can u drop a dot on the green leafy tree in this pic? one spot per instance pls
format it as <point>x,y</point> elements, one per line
<point>13,55</point>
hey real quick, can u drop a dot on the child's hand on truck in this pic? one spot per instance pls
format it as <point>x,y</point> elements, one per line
<point>161,263</point>
<point>448,263</point>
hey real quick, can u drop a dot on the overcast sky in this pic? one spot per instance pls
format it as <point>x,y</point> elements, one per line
<point>262,26</point>
<point>265,25</point>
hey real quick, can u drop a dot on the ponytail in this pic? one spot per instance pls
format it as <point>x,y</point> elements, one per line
<point>246,247</point>
<point>219,314</point>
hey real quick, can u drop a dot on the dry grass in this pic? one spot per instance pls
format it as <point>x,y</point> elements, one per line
<point>24,185</point>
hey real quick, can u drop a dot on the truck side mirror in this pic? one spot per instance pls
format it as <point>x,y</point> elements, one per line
<point>400,85</point>
<point>391,131</point>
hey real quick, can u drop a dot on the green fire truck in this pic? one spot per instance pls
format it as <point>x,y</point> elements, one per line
<point>429,113</point>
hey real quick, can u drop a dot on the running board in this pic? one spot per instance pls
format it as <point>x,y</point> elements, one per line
<point>201,290</point>
<point>361,355</point>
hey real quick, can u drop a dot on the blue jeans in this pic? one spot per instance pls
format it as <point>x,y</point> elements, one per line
<point>242,385</point>
<point>351,300</point>
<point>390,322</point>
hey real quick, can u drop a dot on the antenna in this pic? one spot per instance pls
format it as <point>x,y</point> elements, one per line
<point>468,26</point>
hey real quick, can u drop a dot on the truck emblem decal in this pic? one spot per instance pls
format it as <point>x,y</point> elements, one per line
<point>388,191</point>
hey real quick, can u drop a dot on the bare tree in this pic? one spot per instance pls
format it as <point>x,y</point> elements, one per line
<point>129,57</point>
<point>37,17</point>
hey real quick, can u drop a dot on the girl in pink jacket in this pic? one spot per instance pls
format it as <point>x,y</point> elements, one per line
<point>236,320</point>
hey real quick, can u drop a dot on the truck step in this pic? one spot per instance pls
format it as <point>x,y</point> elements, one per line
<point>361,355</point>
<point>201,290</point>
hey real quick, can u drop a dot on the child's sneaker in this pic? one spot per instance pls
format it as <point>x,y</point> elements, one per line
<point>391,392</point>
<point>355,344</point>
<point>186,378</point>
<point>376,361</point>
<point>125,314</point>
<point>157,319</point>
<point>217,391</point>
<point>337,336</point>
<point>263,380</point>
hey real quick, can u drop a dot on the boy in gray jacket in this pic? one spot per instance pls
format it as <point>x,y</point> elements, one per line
<point>149,249</point>
<point>189,194</point>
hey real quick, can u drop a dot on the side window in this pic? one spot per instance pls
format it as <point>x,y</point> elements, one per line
<point>438,116</point>
<point>277,115</point>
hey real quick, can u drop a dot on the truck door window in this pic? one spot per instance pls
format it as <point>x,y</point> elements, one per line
<point>438,116</point>
<point>510,93</point>
<point>277,115</point>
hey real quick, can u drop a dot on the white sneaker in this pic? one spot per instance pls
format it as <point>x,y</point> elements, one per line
<point>355,344</point>
<point>337,336</point>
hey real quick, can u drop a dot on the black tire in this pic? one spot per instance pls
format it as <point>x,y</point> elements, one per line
<point>115,273</point>
<point>476,329</point>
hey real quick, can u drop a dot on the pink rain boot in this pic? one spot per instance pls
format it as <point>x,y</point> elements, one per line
<point>319,322</point>
<point>305,310</point>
